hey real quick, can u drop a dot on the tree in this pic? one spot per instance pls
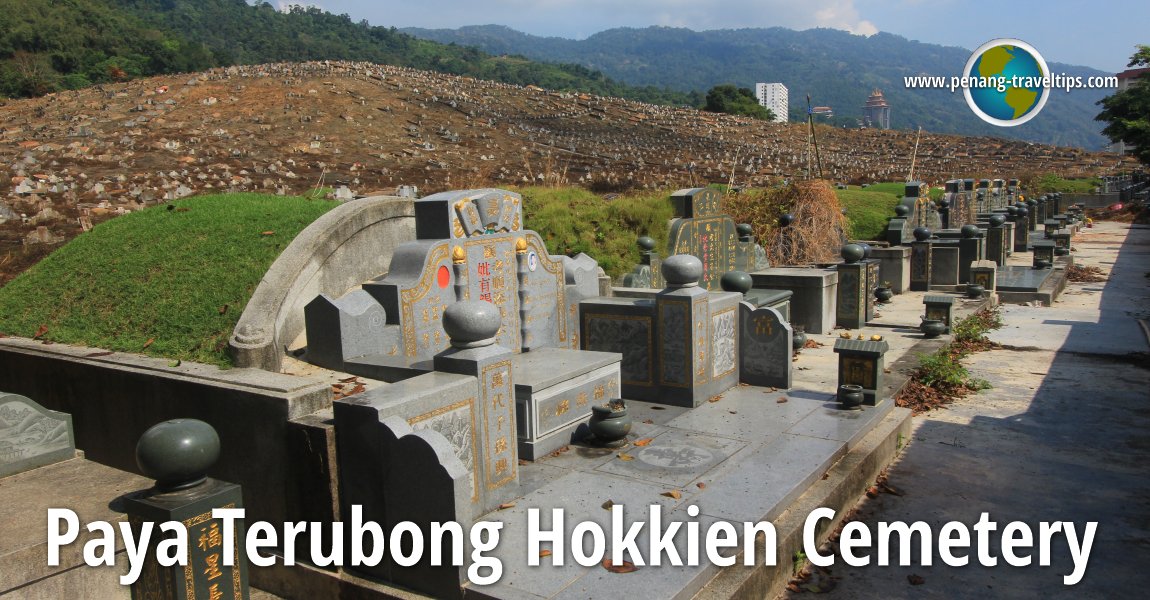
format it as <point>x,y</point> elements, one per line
<point>732,100</point>
<point>1127,113</point>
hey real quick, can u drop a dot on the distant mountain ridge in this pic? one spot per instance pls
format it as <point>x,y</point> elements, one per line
<point>835,67</point>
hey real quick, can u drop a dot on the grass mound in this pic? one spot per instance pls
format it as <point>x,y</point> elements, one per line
<point>168,281</point>
<point>572,220</point>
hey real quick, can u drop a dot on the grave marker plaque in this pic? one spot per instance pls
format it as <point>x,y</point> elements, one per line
<point>702,230</point>
<point>764,347</point>
<point>32,436</point>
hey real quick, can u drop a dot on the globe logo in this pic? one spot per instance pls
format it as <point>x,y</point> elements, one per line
<point>1014,82</point>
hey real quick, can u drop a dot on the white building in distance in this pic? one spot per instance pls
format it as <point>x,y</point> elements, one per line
<point>774,97</point>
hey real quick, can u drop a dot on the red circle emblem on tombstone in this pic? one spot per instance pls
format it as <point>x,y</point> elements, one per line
<point>444,276</point>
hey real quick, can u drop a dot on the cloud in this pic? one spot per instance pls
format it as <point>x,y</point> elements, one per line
<point>571,18</point>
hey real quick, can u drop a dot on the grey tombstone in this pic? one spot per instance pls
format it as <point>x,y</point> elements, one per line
<point>701,229</point>
<point>944,264</point>
<point>969,250</point>
<point>921,255</point>
<point>32,436</point>
<point>852,297</point>
<point>1021,232</point>
<point>872,282</point>
<point>894,267</point>
<point>996,243</point>
<point>764,347</point>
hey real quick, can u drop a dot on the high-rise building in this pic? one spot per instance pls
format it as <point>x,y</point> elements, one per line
<point>774,97</point>
<point>1126,79</point>
<point>876,112</point>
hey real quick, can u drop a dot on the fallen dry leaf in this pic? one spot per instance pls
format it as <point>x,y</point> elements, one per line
<point>626,567</point>
<point>40,332</point>
<point>648,422</point>
<point>676,494</point>
<point>268,233</point>
<point>781,400</point>
<point>625,457</point>
<point>355,390</point>
<point>608,504</point>
<point>715,398</point>
<point>643,442</point>
<point>871,492</point>
<point>915,579</point>
<point>149,342</point>
<point>224,309</point>
<point>701,485</point>
<point>507,505</point>
<point>348,380</point>
<point>543,553</point>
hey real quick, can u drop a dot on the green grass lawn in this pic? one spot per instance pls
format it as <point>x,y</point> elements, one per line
<point>572,220</point>
<point>168,281</point>
<point>867,211</point>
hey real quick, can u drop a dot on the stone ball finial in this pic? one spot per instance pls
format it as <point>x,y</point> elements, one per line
<point>921,234</point>
<point>646,244</point>
<point>997,220</point>
<point>682,270</point>
<point>472,323</point>
<point>1012,210</point>
<point>901,211</point>
<point>736,281</point>
<point>178,453</point>
<point>1023,211</point>
<point>944,203</point>
<point>969,231</point>
<point>852,253</point>
<point>866,249</point>
<point>786,219</point>
<point>744,229</point>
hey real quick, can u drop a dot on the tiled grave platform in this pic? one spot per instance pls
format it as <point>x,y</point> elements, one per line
<point>1018,284</point>
<point>754,451</point>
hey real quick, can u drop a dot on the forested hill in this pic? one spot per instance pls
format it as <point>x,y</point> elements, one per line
<point>51,45</point>
<point>836,68</point>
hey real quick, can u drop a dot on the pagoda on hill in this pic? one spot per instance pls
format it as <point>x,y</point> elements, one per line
<point>876,111</point>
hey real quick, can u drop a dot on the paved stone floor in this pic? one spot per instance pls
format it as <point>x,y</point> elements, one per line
<point>1064,434</point>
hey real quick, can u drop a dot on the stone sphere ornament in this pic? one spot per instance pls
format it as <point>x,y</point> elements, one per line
<point>866,249</point>
<point>646,244</point>
<point>921,234</point>
<point>997,220</point>
<point>178,453</point>
<point>852,253</point>
<point>472,323</point>
<point>944,203</point>
<point>786,220</point>
<point>736,281</point>
<point>969,231</point>
<point>901,211</point>
<point>682,270</point>
<point>1012,210</point>
<point>1023,211</point>
<point>744,230</point>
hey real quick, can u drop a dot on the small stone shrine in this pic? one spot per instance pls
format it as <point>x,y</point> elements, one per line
<point>861,363</point>
<point>940,308</point>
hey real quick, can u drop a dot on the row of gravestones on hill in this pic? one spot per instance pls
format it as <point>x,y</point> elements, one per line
<point>497,351</point>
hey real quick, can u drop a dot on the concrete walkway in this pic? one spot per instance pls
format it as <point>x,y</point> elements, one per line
<point>1064,435</point>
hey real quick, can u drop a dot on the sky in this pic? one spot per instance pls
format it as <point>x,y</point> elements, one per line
<point>1100,33</point>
